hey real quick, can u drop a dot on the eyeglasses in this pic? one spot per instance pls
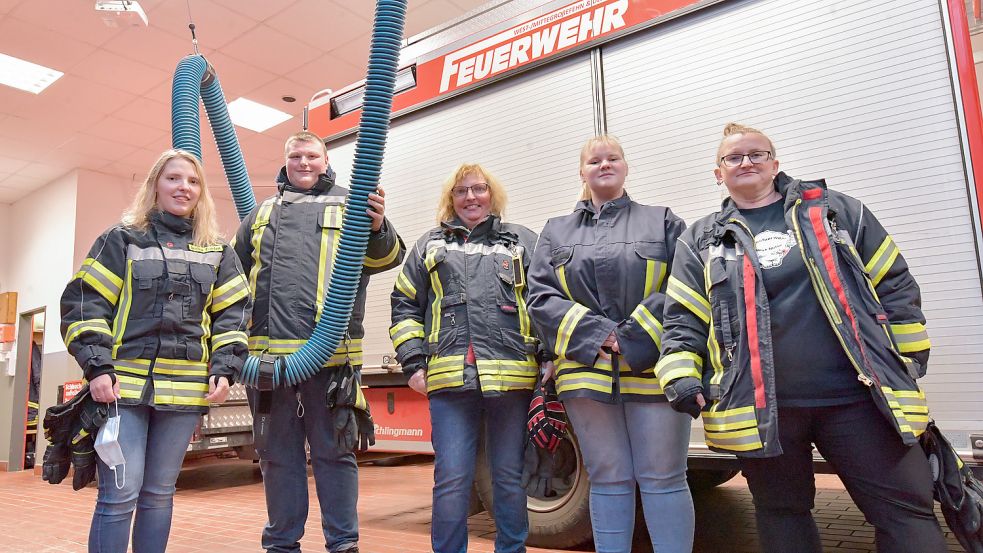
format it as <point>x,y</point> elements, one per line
<point>476,189</point>
<point>735,160</point>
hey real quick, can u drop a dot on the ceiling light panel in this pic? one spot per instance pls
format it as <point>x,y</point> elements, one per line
<point>255,116</point>
<point>25,75</point>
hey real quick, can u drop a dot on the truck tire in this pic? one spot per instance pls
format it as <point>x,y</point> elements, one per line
<point>558,504</point>
<point>704,479</point>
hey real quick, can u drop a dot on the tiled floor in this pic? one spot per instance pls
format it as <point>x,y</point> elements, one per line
<point>219,508</point>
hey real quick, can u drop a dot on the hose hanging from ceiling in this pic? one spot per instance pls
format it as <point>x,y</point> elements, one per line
<point>194,78</point>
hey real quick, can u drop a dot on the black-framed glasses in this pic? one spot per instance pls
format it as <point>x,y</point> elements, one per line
<point>476,189</point>
<point>735,160</point>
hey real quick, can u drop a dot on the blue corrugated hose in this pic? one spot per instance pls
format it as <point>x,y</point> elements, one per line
<point>369,149</point>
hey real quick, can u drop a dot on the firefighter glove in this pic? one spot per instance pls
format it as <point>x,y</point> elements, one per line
<point>84,463</point>
<point>366,428</point>
<point>682,393</point>
<point>57,459</point>
<point>341,387</point>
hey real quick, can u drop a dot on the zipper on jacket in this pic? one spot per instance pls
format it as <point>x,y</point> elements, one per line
<point>829,308</point>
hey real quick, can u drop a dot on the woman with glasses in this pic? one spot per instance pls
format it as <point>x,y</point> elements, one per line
<point>792,320</point>
<point>596,292</point>
<point>463,336</point>
<point>156,319</point>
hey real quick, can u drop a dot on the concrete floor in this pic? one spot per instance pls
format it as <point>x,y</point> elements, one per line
<point>219,507</point>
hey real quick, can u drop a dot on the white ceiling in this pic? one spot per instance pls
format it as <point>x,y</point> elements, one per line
<point>110,112</point>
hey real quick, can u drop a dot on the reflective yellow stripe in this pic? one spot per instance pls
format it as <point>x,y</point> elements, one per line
<point>574,377</point>
<point>89,325</point>
<point>909,408</point>
<point>502,375</point>
<point>167,392</point>
<point>561,275</point>
<point>640,385</point>
<point>123,308</point>
<point>326,254</point>
<point>134,366</point>
<point>693,300</point>
<point>130,387</point>
<point>438,295</point>
<point>653,282</point>
<point>569,323</point>
<point>206,328</point>
<point>911,337</point>
<point>352,352</point>
<point>647,321</point>
<point>256,240</point>
<point>104,281</point>
<point>229,337</point>
<point>405,330</point>
<point>882,260</point>
<point>678,365</point>
<point>732,429</point>
<point>382,262</point>
<point>405,287</point>
<point>445,372</point>
<point>520,300</point>
<point>229,293</point>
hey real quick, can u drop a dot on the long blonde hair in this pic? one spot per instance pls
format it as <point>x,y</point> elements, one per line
<point>732,128</point>
<point>445,209</point>
<point>603,140</point>
<point>205,230</point>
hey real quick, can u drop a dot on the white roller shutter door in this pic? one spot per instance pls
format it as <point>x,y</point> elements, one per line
<point>526,130</point>
<point>856,92</point>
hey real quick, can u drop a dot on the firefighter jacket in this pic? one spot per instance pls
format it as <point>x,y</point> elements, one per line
<point>718,329</point>
<point>287,246</point>
<point>159,312</point>
<point>461,288</point>
<point>595,272</point>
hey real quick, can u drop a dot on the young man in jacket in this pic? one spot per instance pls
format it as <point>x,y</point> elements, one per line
<point>286,246</point>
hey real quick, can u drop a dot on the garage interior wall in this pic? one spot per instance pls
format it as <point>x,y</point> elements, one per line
<point>39,248</point>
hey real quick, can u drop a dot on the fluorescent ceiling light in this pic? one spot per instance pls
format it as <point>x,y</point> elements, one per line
<point>25,75</point>
<point>352,100</point>
<point>255,116</point>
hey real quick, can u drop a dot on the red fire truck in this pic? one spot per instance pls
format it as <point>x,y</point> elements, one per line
<point>880,98</point>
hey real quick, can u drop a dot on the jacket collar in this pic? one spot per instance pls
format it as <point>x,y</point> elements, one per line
<point>610,207</point>
<point>488,227</point>
<point>163,220</point>
<point>324,183</point>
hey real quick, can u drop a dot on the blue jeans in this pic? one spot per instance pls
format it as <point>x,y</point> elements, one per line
<point>294,421</point>
<point>457,418</point>
<point>628,443</point>
<point>153,444</point>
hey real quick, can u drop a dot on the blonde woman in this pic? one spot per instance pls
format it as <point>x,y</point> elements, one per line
<point>463,336</point>
<point>156,318</point>
<point>597,287</point>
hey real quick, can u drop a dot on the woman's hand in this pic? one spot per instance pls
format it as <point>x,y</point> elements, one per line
<point>418,382</point>
<point>377,208</point>
<point>218,389</point>
<point>548,370</point>
<point>610,344</point>
<point>103,389</point>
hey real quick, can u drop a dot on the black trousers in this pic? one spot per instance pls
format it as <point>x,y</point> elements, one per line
<point>891,483</point>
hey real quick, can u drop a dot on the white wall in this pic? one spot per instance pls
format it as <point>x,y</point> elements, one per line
<point>101,201</point>
<point>40,251</point>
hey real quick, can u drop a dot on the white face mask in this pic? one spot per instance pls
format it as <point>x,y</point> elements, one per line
<point>108,448</point>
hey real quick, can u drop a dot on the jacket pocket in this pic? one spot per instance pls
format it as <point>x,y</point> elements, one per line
<point>330,218</point>
<point>560,259</point>
<point>203,277</point>
<point>724,311</point>
<point>446,337</point>
<point>148,280</point>
<point>653,258</point>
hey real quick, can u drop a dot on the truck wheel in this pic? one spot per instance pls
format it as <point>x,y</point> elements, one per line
<point>558,494</point>
<point>704,479</point>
